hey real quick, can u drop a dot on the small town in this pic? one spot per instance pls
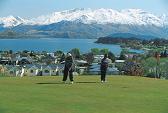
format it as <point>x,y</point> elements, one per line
<point>29,63</point>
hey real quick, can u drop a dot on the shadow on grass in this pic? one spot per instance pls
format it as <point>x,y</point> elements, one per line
<point>87,82</point>
<point>52,83</point>
<point>69,83</point>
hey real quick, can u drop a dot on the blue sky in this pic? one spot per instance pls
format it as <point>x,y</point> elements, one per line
<point>34,8</point>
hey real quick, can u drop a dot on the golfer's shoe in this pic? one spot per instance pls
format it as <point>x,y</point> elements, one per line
<point>71,82</point>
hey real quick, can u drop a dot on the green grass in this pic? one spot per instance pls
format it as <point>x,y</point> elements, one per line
<point>121,94</point>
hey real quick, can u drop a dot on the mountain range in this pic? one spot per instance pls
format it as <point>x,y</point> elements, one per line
<point>87,23</point>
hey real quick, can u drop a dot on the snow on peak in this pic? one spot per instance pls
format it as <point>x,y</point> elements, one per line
<point>164,17</point>
<point>11,21</point>
<point>142,17</point>
<point>102,16</point>
<point>88,16</point>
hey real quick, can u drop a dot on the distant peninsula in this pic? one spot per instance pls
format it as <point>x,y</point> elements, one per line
<point>126,40</point>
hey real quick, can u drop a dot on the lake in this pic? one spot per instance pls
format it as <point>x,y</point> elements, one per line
<point>54,44</point>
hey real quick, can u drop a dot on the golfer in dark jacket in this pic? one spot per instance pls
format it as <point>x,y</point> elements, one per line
<point>104,67</point>
<point>69,68</point>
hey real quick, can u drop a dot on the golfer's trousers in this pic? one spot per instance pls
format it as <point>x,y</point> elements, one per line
<point>66,73</point>
<point>103,74</point>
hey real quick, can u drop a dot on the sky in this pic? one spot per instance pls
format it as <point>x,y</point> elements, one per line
<point>35,8</point>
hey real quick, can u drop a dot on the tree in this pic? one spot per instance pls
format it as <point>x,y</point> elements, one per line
<point>95,51</point>
<point>62,58</point>
<point>149,66</point>
<point>89,57</point>
<point>75,53</point>
<point>44,53</point>
<point>32,54</point>
<point>111,56</point>
<point>162,54</point>
<point>124,51</point>
<point>165,53</point>
<point>25,53</point>
<point>122,57</point>
<point>10,52</point>
<point>163,69</point>
<point>104,51</point>
<point>58,53</point>
<point>133,69</point>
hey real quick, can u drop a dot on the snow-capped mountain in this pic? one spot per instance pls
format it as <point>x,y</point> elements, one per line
<point>164,17</point>
<point>11,21</point>
<point>89,23</point>
<point>102,16</point>
<point>88,16</point>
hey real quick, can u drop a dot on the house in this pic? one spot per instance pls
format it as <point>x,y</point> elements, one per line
<point>53,69</point>
<point>46,70</point>
<point>81,66</point>
<point>24,60</point>
<point>39,70</point>
<point>119,64</point>
<point>81,63</point>
<point>12,70</point>
<point>119,61</point>
<point>98,58</point>
<point>47,59</point>
<point>81,70</point>
<point>30,70</point>
<point>49,70</point>
<point>5,60</point>
<point>60,69</point>
<point>95,70</point>
<point>2,70</point>
<point>113,71</point>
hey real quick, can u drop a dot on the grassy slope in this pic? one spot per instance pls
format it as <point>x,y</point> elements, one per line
<point>47,95</point>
